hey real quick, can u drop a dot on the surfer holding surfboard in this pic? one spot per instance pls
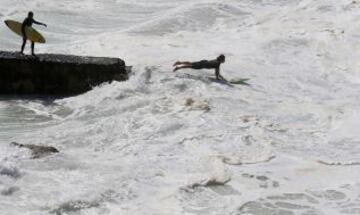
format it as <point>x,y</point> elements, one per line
<point>27,23</point>
<point>25,30</point>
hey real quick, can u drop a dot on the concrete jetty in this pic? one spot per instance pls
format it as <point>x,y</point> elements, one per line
<point>55,74</point>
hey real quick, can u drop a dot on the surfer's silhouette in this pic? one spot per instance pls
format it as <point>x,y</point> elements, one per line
<point>204,64</point>
<point>26,24</point>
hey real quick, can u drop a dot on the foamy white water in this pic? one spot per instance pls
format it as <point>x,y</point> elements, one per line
<point>287,144</point>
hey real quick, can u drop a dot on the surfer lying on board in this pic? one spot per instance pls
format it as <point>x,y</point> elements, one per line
<point>204,64</point>
<point>26,24</point>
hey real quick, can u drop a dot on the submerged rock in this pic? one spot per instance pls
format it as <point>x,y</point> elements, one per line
<point>75,206</point>
<point>9,191</point>
<point>9,171</point>
<point>197,105</point>
<point>37,151</point>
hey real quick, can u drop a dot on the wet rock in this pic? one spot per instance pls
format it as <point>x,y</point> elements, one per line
<point>74,206</point>
<point>189,102</point>
<point>262,178</point>
<point>53,74</point>
<point>197,105</point>
<point>12,172</point>
<point>275,184</point>
<point>210,182</point>
<point>37,151</point>
<point>329,195</point>
<point>261,208</point>
<point>9,191</point>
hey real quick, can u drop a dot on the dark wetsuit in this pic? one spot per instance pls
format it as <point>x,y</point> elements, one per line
<point>206,64</point>
<point>26,24</point>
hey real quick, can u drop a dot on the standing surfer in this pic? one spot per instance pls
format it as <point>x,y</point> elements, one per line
<point>27,23</point>
<point>204,64</point>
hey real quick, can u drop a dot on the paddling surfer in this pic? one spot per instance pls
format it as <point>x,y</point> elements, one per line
<point>26,24</point>
<point>204,64</point>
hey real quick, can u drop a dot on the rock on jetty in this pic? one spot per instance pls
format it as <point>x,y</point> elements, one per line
<point>37,151</point>
<point>54,74</point>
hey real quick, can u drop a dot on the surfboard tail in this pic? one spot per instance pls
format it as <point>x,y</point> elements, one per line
<point>31,33</point>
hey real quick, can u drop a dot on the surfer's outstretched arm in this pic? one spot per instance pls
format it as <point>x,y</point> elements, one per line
<point>39,23</point>
<point>217,73</point>
<point>222,78</point>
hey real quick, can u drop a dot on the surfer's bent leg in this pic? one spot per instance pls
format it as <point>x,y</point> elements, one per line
<point>24,43</point>
<point>185,66</point>
<point>32,48</point>
<point>23,46</point>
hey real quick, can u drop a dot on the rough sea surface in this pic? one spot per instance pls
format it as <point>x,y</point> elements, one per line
<point>179,143</point>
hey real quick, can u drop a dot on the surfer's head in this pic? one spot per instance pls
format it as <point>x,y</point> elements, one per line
<point>30,14</point>
<point>221,58</point>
